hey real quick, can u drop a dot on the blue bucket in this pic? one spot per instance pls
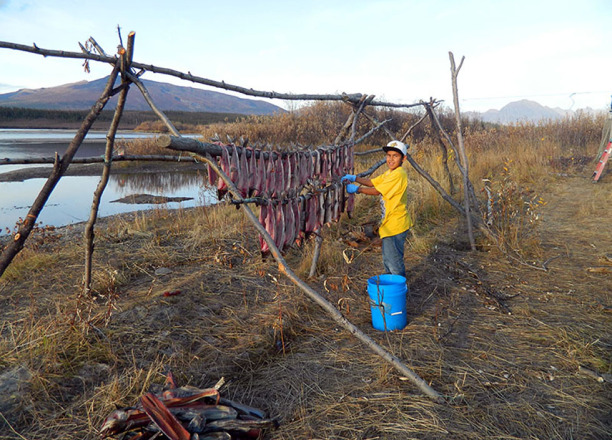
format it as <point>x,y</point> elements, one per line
<point>388,295</point>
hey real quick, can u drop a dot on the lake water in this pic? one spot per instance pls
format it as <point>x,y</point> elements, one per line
<point>71,199</point>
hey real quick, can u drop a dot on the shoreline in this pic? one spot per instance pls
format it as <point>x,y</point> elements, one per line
<point>95,169</point>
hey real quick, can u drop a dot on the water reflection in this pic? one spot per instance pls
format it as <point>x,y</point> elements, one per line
<point>70,201</point>
<point>160,182</point>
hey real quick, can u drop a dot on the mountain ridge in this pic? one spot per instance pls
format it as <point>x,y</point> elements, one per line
<point>524,110</point>
<point>82,94</point>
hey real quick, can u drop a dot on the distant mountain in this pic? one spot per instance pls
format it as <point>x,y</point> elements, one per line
<point>522,111</point>
<point>82,95</point>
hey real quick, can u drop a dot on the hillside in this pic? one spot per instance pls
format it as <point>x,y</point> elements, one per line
<point>81,95</point>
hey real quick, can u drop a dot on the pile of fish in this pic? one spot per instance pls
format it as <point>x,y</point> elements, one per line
<point>298,191</point>
<point>186,413</point>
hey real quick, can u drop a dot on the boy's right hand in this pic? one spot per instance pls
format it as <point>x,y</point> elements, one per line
<point>351,189</point>
<point>348,177</point>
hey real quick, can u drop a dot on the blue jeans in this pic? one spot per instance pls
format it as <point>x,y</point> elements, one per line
<point>393,253</point>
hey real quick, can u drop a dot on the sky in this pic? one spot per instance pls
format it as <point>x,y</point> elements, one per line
<point>555,52</point>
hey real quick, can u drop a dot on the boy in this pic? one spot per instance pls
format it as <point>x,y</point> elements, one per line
<point>396,221</point>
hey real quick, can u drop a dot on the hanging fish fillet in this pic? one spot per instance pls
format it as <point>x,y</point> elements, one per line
<point>310,215</point>
<point>280,176</point>
<point>323,174</point>
<point>307,173</point>
<point>211,174</point>
<point>316,160</point>
<point>252,172</point>
<point>333,158</point>
<point>263,213</point>
<point>311,165</point>
<point>340,171</point>
<point>321,208</point>
<point>289,225</point>
<point>292,208</point>
<point>300,170</point>
<point>329,205</point>
<point>350,204</point>
<point>243,174</point>
<point>271,221</point>
<point>295,171</point>
<point>234,166</point>
<point>259,174</point>
<point>336,208</point>
<point>270,187</point>
<point>287,173</point>
<point>279,226</point>
<point>342,196</point>
<point>300,219</point>
<point>224,162</point>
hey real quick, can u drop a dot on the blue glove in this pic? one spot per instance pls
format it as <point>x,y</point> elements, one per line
<point>351,189</point>
<point>348,178</point>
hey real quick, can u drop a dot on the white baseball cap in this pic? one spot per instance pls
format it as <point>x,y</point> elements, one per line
<point>397,146</point>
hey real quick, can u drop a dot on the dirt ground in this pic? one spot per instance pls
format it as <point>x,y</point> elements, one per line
<point>503,340</point>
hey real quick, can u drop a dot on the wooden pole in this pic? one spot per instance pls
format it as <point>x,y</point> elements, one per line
<point>355,97</point>
<point>108,159</point>
<point>464,158</point>
<point>89,160</point>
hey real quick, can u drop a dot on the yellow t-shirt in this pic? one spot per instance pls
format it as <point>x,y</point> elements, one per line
<point>392,185</point>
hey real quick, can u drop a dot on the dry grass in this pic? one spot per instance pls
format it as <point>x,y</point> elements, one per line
<point>506,376</point>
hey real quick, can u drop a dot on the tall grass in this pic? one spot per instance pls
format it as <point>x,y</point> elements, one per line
<point>61,337</point>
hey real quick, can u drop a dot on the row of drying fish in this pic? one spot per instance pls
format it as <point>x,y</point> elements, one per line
<point>186,413</point>
<point>293,219</point>
<point>278,175</point>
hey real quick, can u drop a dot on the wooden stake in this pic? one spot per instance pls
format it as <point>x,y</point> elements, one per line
<point>464,158</point>
<point>93,215</point>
